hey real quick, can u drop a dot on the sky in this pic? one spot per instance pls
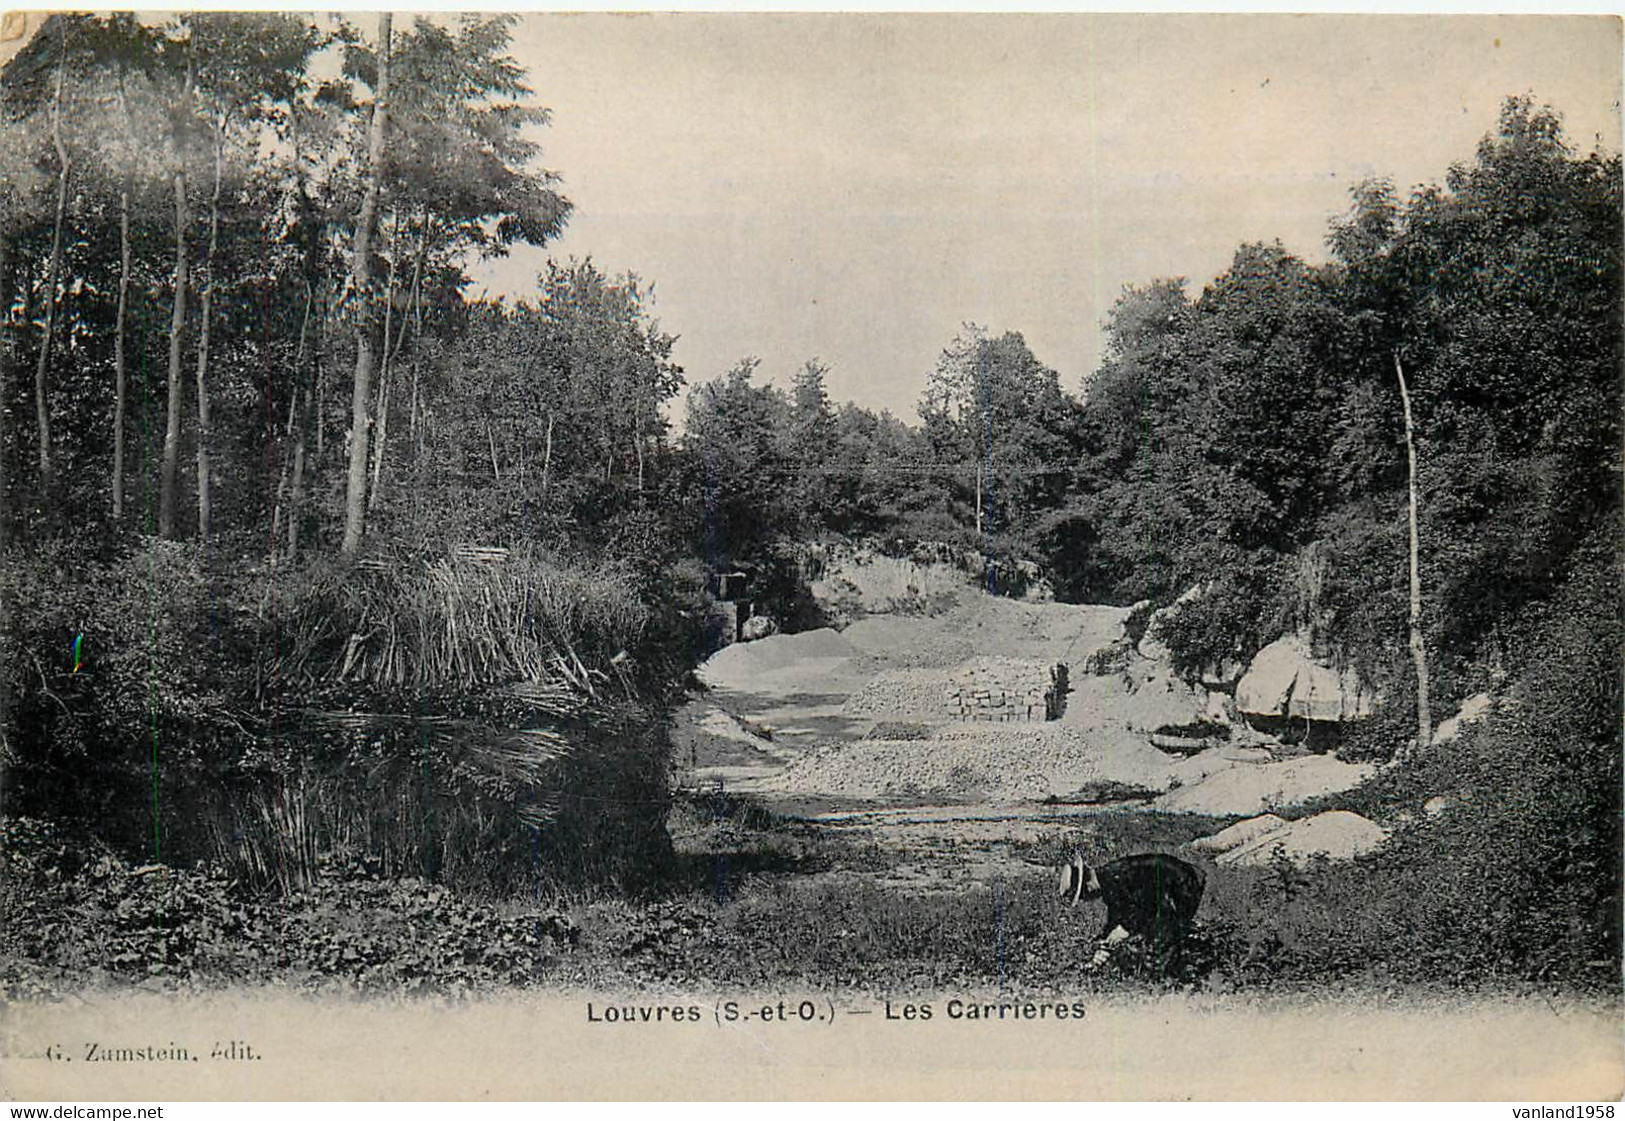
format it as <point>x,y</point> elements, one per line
<point>856,187</point>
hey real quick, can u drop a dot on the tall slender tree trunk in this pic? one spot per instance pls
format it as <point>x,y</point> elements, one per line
<point>296,496</point>
<point>120,377</point>
<point>380,409</point>
<point>392,353</point>
<point>547,455</point>
<point>7,649</point>
<point>286,473</point>
<point>978,497</point>
<point>168,471</point>
<point>205,504</point>
<point>355,497</point>
<point>417,322</point>
<point>637,436</point>
<point>1424,713</point>
<point>42,405</point>
<point>177,330</point>
<point>318,372</point>
<point>292,482</point>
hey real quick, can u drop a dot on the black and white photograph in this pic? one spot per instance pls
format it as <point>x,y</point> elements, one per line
<point>810,555</point>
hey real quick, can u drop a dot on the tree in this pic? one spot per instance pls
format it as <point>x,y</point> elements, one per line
<point>1424,714</point>
<point>53,275</point>
<point>182,68</point>
<point>313,132</point>
<point>997,417</point>
<point>128,159</point>
<point>461,179</point>
<point>1131,508</point>
<point>19,180</point>
<point>740,481</point>
<point>880,478</point>
<point>1500,289</point>
<point>545,419</point>
<point>362,293</point>
<point>811,442</point>
<point>249,67</point>
<point>1269,394</point>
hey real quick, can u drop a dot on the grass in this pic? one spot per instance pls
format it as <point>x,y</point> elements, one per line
<point>751,900</point>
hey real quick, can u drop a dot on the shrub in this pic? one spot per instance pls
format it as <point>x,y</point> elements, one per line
<point>487,724</point>
<point>75,915</point>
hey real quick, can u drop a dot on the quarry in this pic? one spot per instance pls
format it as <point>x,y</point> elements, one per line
<point>953,734</point>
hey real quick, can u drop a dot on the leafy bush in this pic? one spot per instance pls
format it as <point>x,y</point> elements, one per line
<point>74,916</point>
<point>162,698</point>
<point>1238,614</point>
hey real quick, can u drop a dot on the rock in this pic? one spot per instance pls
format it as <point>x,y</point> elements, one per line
<point>1240,788</point>
<point>1162,700</point>
<point>1285,680</point>
<point>1198,768</point>
<point>757,626</point>
<point>1473,709</point>
<point>1336,835</point>
<point>1112,658</point>
<point>1183,745</point>
<point>1241,754</point>
<point>1241,833</point>
<point>1218,708</point>
<point>1436,805</point>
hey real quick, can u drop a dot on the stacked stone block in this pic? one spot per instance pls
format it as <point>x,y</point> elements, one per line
<point>1002,691</point>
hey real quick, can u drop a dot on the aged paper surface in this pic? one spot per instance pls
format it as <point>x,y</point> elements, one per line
<point>1134,215</point>
<point>542,1047</point>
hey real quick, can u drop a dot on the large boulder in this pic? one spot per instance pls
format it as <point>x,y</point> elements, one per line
<point>1286,680</point>
<point>1243,788</point>
<point>1335,835</point>
<point>1241,833</point>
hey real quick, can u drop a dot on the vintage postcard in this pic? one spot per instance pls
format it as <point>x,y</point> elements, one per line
<point>810,556</point>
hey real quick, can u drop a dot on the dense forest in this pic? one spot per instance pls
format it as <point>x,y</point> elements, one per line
<point>310,556</point>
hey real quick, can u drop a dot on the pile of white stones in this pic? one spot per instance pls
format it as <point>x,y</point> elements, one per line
<point>1000,690</point>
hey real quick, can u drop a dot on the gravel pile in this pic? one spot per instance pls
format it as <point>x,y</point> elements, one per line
<point>1044,632</point>
<point>999,763</point>
<point>902,694</point>
<point>744,664</point>
<point>905,641</point>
